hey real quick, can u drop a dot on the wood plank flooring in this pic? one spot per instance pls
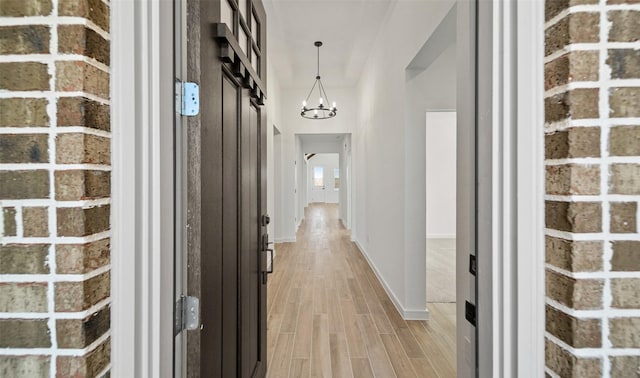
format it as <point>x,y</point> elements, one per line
<point>328,315</point>
<point>441,270</point>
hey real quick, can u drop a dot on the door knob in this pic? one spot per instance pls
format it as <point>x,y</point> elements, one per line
<point>266,219</point>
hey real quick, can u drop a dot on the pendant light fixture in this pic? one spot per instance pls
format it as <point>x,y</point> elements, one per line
<point>321,111</point>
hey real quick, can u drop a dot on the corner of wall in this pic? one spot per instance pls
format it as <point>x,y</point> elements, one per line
<point>406,313</point>
<point>592,162</point>
<point>55,170</point>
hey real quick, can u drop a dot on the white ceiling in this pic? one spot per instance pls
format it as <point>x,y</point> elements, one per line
<point>348,29</point>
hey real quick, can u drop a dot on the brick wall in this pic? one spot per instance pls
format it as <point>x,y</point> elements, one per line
<point>592,148</point>
<point>54,188</point>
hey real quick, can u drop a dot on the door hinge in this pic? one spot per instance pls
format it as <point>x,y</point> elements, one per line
<point>187,314</point>
<point>188,96</point>
<point>470,312</point>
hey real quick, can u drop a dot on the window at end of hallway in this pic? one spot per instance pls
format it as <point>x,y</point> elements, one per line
<point>317,176</point>
<point>336,177</point>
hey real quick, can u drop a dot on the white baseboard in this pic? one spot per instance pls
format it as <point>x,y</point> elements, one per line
<point>441,236</point>
<point>407,314</point>
<point>416,314</point>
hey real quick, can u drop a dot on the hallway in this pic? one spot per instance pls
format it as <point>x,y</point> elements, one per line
<point>329,316</point>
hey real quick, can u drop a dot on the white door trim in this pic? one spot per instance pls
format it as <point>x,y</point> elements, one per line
<point>511,327</point>
<point>528,26</point>
<point>142,188</point>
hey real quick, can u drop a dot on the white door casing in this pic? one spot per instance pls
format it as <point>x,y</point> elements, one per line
<point>507,105</point>
<point>142,186</point>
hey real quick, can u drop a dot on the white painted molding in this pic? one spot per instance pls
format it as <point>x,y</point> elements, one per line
<point>417,314</point>
<point>530,294</point>
<point>123,240</point>
<point>407,314</point>
<point>142,209</point>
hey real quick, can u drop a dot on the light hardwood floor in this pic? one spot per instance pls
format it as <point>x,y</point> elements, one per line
<point>441,270</point>
<point>328,315</point>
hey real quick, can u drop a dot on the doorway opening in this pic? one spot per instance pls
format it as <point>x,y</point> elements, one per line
<point>430,89</point>
<point>324,174</point>
<point>440,148</point>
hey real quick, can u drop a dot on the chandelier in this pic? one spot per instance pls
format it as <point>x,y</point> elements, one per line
<point>321,111</point>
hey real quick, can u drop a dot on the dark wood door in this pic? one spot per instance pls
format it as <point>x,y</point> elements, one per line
<point>228,273</point>
<point>252,290</point>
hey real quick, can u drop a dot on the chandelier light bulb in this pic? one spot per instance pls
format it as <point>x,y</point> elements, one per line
<point>333,105</point>
<point>304,104</point>
<point>320,100</point>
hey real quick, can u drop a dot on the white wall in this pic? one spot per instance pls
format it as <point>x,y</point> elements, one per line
<point>383,145</point>
<point>275,194</point>
<point>300,175</point>
<point>274,156</point>
<point>346,202</point>
<point>441,174</point>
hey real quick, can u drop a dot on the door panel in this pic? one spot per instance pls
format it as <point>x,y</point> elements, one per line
<point>231,95</point>
<point>250,251</point>
<point>226,174</point>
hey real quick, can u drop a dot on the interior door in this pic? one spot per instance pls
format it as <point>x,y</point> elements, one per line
<point>227,164</point>
<point>318,184</point>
